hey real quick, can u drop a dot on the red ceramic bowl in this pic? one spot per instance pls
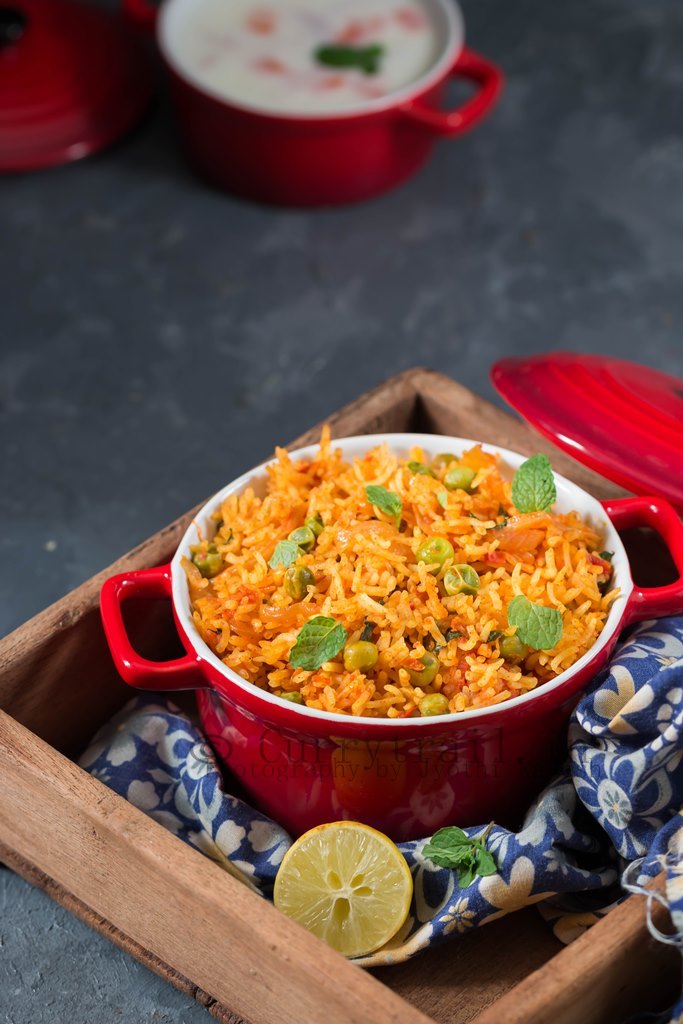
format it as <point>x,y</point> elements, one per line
<point>406,777</point>
<point>314,159</point>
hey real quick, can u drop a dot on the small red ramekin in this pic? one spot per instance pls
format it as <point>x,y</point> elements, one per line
<point>318,159</point>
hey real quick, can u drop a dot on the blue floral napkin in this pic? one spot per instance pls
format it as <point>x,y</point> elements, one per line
<point>616,808</point>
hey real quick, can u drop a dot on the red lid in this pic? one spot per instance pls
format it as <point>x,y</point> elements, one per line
<point>623,420</point>
<point>72,81</point>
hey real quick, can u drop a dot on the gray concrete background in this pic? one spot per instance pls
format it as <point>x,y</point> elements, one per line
<point>158,337</point>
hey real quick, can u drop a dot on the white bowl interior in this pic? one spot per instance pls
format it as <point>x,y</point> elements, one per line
<point>569,498</point>
<point>445,15</point>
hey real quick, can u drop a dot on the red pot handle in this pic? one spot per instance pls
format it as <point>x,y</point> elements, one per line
<point>141,13</point>
<point>180,674</point>
<point>477,69</point>
<point>652,602</point>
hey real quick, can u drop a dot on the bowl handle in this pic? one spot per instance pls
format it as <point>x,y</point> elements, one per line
<point>141,13</point>
<point>475,68</point>
<point>180,674</point>
<point>652,602</point>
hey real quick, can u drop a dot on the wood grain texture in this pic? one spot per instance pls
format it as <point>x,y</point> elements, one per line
<point>457,981</point>
<point>172,901</point>
<point>610,973</point>
<point>99,924</point>
<point>180,914</point>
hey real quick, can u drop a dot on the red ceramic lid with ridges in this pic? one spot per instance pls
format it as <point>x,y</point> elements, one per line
<point>73,80</point>
<point>623,420</point>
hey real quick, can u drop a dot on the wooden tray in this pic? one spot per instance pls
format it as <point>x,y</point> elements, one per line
<point>177,912</point>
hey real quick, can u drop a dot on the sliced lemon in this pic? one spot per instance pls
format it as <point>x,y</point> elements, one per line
<point>348,884</point>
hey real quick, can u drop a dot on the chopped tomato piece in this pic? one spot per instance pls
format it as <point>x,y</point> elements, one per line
<point>409,18</point>
<point>477,459</point>
<point>495,557</point>
<point>262,22</point>
<point>359,31</point>
<point>516,539</point>
<point>331,82</point>
<point>351,33</point>
<point>271,65</point>
<point>372,92</point>
<point>607,567</point>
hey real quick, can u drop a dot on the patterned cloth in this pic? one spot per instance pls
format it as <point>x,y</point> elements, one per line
<point>618,804</point>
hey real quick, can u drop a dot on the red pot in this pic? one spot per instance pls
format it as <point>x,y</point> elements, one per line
<point>406,777</point>
<point>309,160</point>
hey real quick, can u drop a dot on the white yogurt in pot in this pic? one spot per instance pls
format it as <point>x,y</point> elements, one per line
<point>307,56</point>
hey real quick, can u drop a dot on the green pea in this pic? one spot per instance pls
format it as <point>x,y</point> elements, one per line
<point>433,704</point>
<point>435,551</point>
<point>304,537</point>
<point>419,469</point>
<point>315,524</point>
<point>361,655</point>
<point>444,459</point>
<point>427,674</point>
<point>461,579</point>
<point>297,581</point>
<point>459,478</point>
<point>294,697</point>
<point>512,649</point>
<point>209,563</point>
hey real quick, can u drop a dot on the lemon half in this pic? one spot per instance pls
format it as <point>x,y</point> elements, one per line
<point>348,884</point>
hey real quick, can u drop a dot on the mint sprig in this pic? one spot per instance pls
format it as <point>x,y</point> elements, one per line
<point>452,848</point>
<point>537,626</point>
<point>533,485</point>
<point>321,639</point>
<point>286,553</point>
<point>365,58</point>
<point>386,501</point>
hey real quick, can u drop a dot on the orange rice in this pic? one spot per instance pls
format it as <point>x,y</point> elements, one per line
<point>365,570</point>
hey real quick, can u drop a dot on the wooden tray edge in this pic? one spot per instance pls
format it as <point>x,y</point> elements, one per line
<point>181,907</point>
<point>610,965</point>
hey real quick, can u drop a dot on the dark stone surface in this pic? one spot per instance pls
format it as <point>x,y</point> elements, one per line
<point>158,337</point>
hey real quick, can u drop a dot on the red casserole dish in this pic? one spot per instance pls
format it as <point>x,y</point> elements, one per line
<point>308,159</point>
<point>406,777</point>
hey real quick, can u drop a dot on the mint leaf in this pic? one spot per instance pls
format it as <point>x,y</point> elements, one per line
<point>537,626</point>
<point>318,641</point>
<point>456,859</point>
<point>450,837</point>
<point>365,58</point>
<point>452,848</point>
<point>466,877</point>
<point>442,498</point>
<point>533,485</point>
<point>386,501</point>
<point>449,847</point>
<point>485,863</point>
<point>286,553</point>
